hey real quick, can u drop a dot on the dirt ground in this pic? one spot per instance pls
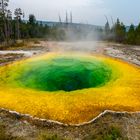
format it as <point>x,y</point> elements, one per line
<point>28,128</point>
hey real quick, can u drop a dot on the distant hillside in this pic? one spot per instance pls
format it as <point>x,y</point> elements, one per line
<point>52,23</point>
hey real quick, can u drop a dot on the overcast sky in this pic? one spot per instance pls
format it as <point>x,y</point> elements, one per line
<point>84,11</point>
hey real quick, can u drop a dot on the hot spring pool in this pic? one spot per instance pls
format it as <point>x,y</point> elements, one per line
<point>63,73</point>
<point>69,89</point>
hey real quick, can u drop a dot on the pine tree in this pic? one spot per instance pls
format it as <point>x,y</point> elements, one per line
<point>32,19</point>
<point>3,11</point>
<point>107,28</point>
<point>120,32</point>
<point>9,24</point>
<point>131,35</point>
<point>33,26</point>
<point>107,31</point>
<point>18,13</point>
<point>138,35</point>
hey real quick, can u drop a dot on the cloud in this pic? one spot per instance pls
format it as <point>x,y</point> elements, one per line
<point>83,10</point>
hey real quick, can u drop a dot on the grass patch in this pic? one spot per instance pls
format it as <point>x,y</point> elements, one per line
<point>19,44</point>
<point>45,136</point>
<point>36,42</point>
<point>113,133</point>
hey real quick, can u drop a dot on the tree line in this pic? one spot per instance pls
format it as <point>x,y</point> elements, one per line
<point>13,26</point>
<point>122,34</point>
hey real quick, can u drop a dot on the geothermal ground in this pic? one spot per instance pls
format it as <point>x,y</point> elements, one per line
<point>105,125</point>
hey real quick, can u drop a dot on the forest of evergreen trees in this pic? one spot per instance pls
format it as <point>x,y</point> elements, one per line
<point>13,27</point>
<point>119,33</point>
